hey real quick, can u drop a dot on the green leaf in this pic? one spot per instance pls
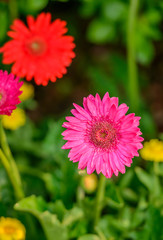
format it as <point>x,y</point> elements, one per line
<point>114,10</point>
<point>53,141</point>
<point>73,215</point>
<point>145,50</point>
<point>106,227</point>
<point>78,229</point>
<point>88,8</point>
<point>130,195</point>
<point>145,178</point>
<point>153,228</point>
<point>113,197</point>
<point>148,125</point>
<point>52,227</point>
<point>154,16</point>
<point>57,208</point>
<point>36,206</point>
<point>89,237</point>
<point>126,178</point>
<point>32,204</point>
<point>100,32</point>
<point>30,6</point>
<point>137,218</point>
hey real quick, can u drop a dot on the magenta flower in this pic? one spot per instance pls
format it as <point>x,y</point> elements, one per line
<point>101,137</point>
<point>9,92</point>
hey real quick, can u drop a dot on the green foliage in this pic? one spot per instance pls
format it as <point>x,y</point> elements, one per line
<point>114,10</point>
<point>110,21</point>
<point>53,228</point>
<point>100,32</point>
<point>31,7</point>
<point>113,198</point>
<point>89,237</point>
<point>4,21</point>
<point>51,225</point>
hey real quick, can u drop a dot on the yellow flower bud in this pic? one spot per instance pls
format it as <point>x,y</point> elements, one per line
<point>153,150</point>
<point>27,91</point>
<point>16,120</point>
<point>89,183</point>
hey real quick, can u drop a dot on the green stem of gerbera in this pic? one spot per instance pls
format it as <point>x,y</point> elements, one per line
<point>99,199</point>
<point>18,192</point>
<point>156,167</point>
<point>133,86</point>
<point>10,165</point>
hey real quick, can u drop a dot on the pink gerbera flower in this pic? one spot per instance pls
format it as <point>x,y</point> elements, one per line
<point>9,92</point>
<point>101,137</point>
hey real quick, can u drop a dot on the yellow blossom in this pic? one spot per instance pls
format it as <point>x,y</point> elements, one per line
<point>89,182</point>
<point>153,150</point>
<point>16,120</point>
<point>27,91</point>
<point>11,229</point>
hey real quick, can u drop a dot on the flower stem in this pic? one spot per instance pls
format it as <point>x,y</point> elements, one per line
<point>99,198</point>
<point>133,85</point>
<point>18,192</point>
<point>156,167</point>
<point>10,165</point>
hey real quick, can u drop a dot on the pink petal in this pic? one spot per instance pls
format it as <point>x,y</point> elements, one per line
<point>71,144</point>
<point>121,111</point>
<point>114,100</point>
<point>82,111</point>
<point>91,164</point>
<point>112,164</point>
<point>99,105</point>
<point>112,112</point>
<point>84,160</point>
<point>99,164</point>
<point>91,106</point>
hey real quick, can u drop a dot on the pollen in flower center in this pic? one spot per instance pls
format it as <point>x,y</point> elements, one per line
<point>9,230</point>
<point>36,46</point>
<point>2,97</point>
<point>103,135</point>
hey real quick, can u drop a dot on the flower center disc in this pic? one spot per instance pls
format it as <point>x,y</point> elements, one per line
<point>36,46</point>
<point>9,230</point>
<point>2,97</point>
<point>103,135</point>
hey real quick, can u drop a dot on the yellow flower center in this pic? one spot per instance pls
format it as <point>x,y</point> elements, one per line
<point>36,46</point>
<point>9,230</point>
<point>2,97</point>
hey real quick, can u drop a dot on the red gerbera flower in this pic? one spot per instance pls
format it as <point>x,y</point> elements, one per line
<point>41,51</point>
